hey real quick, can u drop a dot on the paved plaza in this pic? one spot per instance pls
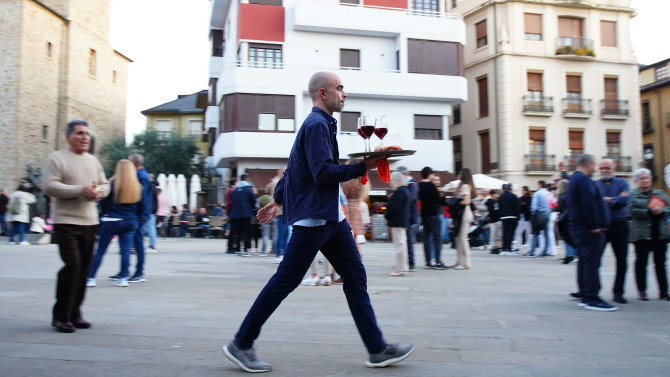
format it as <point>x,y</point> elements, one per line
<point>508,316</point>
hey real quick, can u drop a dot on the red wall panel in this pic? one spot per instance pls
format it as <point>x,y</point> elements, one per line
<point>261,22</point>
<point>387,3</point>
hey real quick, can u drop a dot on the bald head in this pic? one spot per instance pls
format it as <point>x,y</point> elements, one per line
<point>327,92</point>
<point>319,80</point>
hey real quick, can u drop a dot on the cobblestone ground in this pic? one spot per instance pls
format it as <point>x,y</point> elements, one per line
<point>508,316</point>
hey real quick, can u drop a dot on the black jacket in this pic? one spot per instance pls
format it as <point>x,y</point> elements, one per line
<point>524,206</point>
<point>494,210</point>
<point>397,208</point>
<point>509,205</point>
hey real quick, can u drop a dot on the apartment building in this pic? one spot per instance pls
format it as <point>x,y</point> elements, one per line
<point>655,117</point>
<point>548,81</point>
<point>57,65</point>
<point>402,59</point>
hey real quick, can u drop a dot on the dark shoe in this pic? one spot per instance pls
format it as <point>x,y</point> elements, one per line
<point>643,296</point>
<point>429,266</point>
<point>600,305</point>
<point>620,299</point>
<point>576,294</point>
<point>65,327</point>
<point>391,355</point>
<point>664,296</point>
<point>529,255</point>
<point>137,279</point>
<point>81,323</point>
<point>544,254</point>
<point>567,260</point>
<point>245,359</point>
<point>440,266</point>
<point>115,277</point>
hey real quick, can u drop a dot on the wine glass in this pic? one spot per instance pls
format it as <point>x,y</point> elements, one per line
<point>381,129</point>
<point>365,129</point>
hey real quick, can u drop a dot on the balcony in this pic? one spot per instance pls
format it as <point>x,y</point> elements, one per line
<point>624,163</point>
<point>538,105</point>
<point>571,161</point>
<point>575,48</point>
<point>577,108</point>
<point>540,163</point>
<point>614,109</point>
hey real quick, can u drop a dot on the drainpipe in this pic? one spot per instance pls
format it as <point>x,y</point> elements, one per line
<point>495,82</point>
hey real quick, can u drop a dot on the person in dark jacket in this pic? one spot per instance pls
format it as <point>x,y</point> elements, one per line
<point>4,200</point>
<point>493,218</point>
<point>397,217</point>
<point>413,214</point>
<point>432,225</point>
<point>509,215</point>
<point>120,211</point>
<point>244,204</point>
<point>308,194</point>
<point>145,215</point>
<point>233,232</point>
<point>524,228</point>
<point>587,222</point>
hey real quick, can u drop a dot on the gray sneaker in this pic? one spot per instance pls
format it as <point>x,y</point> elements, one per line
<point>391,355</point>
<point>245,359</point>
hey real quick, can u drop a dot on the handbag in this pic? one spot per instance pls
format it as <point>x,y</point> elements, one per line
<point>538,221</point>
<point>656,201</point>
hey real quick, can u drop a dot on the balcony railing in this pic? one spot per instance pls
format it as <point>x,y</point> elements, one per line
<point>624,163</point>
<point>571,161</point>
<point>540,162</point>
<point>647,124</point>
<point>538,104</point>
<point>614,107</point>
<point>576,46</point>
<point>573,106</point>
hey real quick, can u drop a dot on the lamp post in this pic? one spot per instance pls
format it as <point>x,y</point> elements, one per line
<point>649,159</point>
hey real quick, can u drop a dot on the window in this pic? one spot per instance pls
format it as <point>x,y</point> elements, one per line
<point>534,86</point>
<point>576,142</point>
<point>92,62</point>
<point>267,122</point>
<point>485,151</point>
<point>428,127</point>
<point>533,26</point>
<point>608,33</point>
<point>49,49</point>
<point>354,2</point>
<point>114,76</point>
<point>350,59</point>
<point>45,132</point>
<point>611,96</point>
<point>480,32</point>
<point>482,85</point>
<point>434,57</point>
<point>574,95</point>
<point>614,144</point>
<point>662,73</point>
<point>424,5</point>
<point>266,2</point>
<point>257,112</point>
<point>349,121</point>
<point>457,114</point>
<point>646,117</point>
<point>217,42</point>
<point>458,153</point>
<point>194,128</point>
<point>569,27</point>
<point>536,149</point>
<point>266,56</point>
<point>211,92</point>
<point>163,127</point>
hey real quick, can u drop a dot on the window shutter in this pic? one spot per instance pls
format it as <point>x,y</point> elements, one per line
<point>614,137</point>
<point>576,139</point>
<point>608,33</point>
<point>350,58</point>
<point>574,84</point>
<point>480,29</point>
<point>536,135</point>
<point>532,23</point>
<point>534,82</point>
<point>611,88</point>
<point>482,84</point>
<point>569,27</point>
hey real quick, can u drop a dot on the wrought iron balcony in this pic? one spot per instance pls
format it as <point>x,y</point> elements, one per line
<point>624,163</point>
<point>577,107</point>
<point>571,161</point>
<point>538,104</point>
<point>614,107</point>
<point>575,46</point>
<point>536,162</point>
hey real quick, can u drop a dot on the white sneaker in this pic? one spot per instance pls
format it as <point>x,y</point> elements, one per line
<point>90,282</point>
<point>360,239</point>
<point>311,281</point>
<point>12,243</point>
<point>278,259</point>
<point>121,282</point>
<point>24,243</point>
<point>326,281</point>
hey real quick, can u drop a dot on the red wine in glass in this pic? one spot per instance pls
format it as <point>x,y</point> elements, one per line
<point>367,131</point>
<point>381,132</point>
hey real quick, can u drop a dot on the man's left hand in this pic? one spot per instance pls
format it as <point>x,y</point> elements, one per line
<point>267,213</point>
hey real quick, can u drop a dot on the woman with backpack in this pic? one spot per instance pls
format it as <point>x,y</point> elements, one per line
<point>19,214</point>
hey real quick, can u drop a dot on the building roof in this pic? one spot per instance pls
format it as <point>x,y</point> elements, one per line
<point>184,104</point>
<point>654,65</point>
<point>655,85</point>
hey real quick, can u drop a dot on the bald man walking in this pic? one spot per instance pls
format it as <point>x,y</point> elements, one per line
<point>308,195</point>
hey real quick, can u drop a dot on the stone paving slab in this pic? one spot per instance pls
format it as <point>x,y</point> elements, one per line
<point>509,316</point>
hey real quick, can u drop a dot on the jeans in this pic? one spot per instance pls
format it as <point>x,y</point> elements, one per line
<point>569,250</point>
<point>486,233</point>
<point>509,226</point>
<point>536,236</point>
<point>125,229</point>
<point>444,233</point>
<point>642,250</point>
<point>411,238</point>
<point>523,227</point>
<point>75,245</point>
<point>266,236</point>
<point>281,238</point>
<point>3,224</point>
<point>150,230</point>
<point>206,228</point>
<point>589,250</point>
<point>138,241</point>
<point>337,244</point>
<point>617,236</point>
<point>18,228</point>
<point>432,242</point>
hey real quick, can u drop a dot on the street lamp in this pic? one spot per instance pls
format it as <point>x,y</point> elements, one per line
<point>649,159</point>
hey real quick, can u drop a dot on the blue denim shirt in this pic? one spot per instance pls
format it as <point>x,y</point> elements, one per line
<point>585,203</point>
<point>309,188</point>
<point>618,207</point>
<point>538,202</point>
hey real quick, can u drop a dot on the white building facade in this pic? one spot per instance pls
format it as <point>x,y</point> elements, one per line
<point>399,59</point>
<point>548,80</point>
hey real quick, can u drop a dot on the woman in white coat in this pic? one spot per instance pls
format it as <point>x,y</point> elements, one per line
<point>19,214</point>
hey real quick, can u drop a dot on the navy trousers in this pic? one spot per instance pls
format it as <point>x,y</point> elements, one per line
<point>337,244</point>
<point>617,235</point>
<point>589,250</point>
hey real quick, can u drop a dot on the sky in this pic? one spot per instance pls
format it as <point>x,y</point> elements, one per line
<point>169,45</point>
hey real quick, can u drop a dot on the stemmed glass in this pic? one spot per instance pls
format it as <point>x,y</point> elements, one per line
<point>365,129</point>
<point>381,129</point>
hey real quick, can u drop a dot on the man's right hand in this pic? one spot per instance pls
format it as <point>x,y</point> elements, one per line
<point>371,163</point>
<point>89,193</point>
<point>267,213</point>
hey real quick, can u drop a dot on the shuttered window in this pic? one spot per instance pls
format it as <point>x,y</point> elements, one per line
<point>570,27</point>
<point>350,59</point>
<point>428,127</point>
<point>536,135</point>
<point>533,26</point>
<point>349,121</point>
<point>258,112</point>
<point>485,149</point>
<point>266,2</point>
<point>613,143</point>
<point>608,33</point>
<point>534,82</point>
<point>480,31</point>
<point>434,57</point>
<point>574,84</point>
<point>482,85</point>
<point>611,88</point>
<point>576,141</point>
<point>458,153</point>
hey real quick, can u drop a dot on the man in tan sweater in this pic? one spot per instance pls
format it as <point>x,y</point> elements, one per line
<point>74,180</point>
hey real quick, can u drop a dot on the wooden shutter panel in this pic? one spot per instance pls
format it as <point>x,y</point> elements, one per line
<point>574,84</point>
<point>614,137</point>
<point>350,58</point>
<point>532,23</point>
<point>576,140</point>
<point>569,27</point>
<point>482,84</point>
<point>608,33</point>
<point>481,29</point>
<point>536,135</point>
<point>611,88</point>
<point>534,82</point>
